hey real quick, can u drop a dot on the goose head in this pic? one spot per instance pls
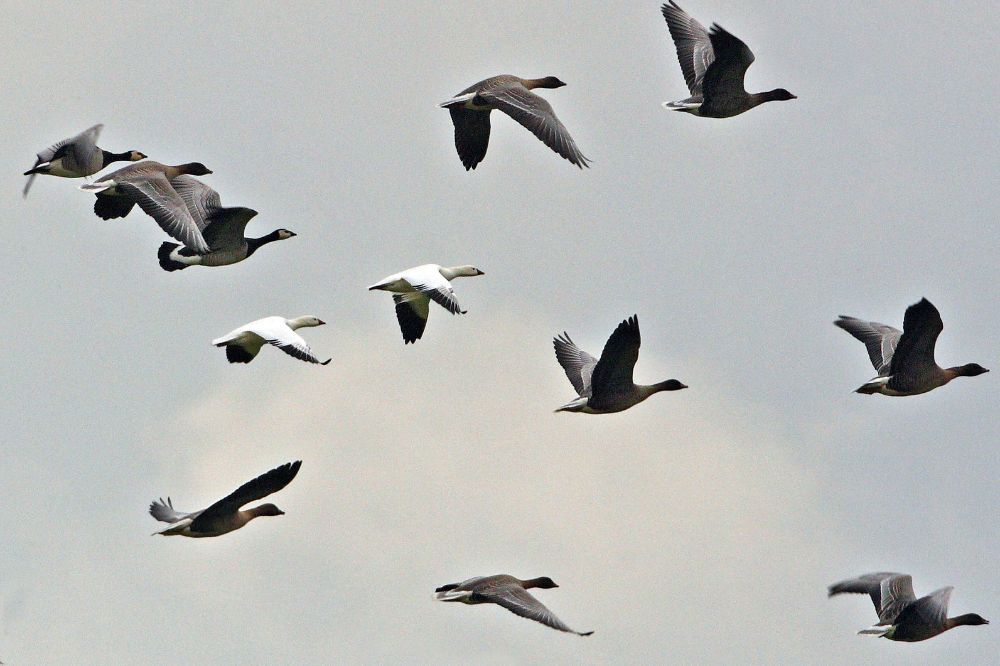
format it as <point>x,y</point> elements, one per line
<point>466,271</point>
<point>548,82</point>
<point>195,169</point>
<point>780,95</point>
<point>544,583</point>
<point>268,510</point>
<point>304,322</point>
<point>284,234</point>
<point>971,370</point>
<point>135,156</point>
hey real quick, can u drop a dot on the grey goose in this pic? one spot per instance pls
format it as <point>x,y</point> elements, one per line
<point>150,184</point>
<point>714,63</point>
<point>509,592</point>
<point>77,157</point>
<point>470,113</point>
<point>901,616</point>
<point>244,343</point>
<point>413,290</point>
<point>226,515</point>
<point>904,359</point>
<point>222,228</point>
<point>606,386</point>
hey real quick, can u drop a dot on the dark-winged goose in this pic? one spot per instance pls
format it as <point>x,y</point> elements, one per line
<point>222,228</point>
<point>149,185</point>
<point>605,386</point>
<point>509,592</point>
<point>901,616</point>
<point>77,157</point>
<point>904,359</point>
<point>414,289</point>
<point>225,515</point>
<point>470,113</point>
<point>714,63</point>
<point>243,344</point>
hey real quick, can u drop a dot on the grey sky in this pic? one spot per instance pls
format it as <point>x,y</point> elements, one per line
<point>699,527</point>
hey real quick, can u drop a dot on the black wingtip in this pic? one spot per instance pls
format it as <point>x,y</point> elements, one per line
<point>327,361</point>
<point>584,633</point>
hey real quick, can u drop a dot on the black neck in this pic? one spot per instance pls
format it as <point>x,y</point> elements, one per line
<point>254,243</point>
<point>110,157</point>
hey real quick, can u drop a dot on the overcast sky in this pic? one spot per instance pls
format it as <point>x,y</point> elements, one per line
<point>702,526</point>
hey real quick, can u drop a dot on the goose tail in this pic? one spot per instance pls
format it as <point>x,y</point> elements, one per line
<point>167,262</point>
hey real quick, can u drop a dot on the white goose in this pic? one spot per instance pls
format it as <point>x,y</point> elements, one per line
<point>414,289</point>
<point>243,343</point>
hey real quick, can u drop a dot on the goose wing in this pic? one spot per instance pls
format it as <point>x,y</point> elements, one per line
<point>613,372</point>
<point>262,486</point>
<point>537,116</point>
<point>930,612</point>
<point>915,351</point>
<point>428,281</point>
<point>412,309</point>
<point>694,48</point>
<point>724,77</point>
<point>576,363</point>
<point>201,200</point>
<point>472,135</point>
<point>77,145</point>
<point>897,595</point>
<point>226,228</point>
<point>160,201</point>
<point>870,584</point>
<point>880,339</point>
<point>518,601</point>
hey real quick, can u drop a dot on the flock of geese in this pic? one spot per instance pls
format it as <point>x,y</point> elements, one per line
<point>713,62</point>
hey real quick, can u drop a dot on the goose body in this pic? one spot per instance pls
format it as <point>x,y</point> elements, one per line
<point>714,63</point>
<point>76,157</point>
<point>152,186</point>
<point>226,515</point>
<point>606,386</point>
<point>470,114</point>
<point>244,343</point>
<point>414,289</point>
<point>904,359</point>
<point>222,228</point>
<point>509,592</point>
<point>902,616</point>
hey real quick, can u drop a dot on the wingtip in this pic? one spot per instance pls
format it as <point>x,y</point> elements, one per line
<point>327,361</point>
<point>584,633</point>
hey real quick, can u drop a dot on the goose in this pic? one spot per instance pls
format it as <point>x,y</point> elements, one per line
<point>149,184</point>
<point>509,592</point>
<point>904,359</point>
<point>413,289</point>
<point>605,386</point>
<point>903,617</point>
<point>222,228</point>
<point>470,113</point>
<point>77,157</point>
<point>714,63</point>
<point>243,344</point>
<point>225,515</point>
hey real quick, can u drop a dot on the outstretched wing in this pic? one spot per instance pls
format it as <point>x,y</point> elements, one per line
<point>880,340</point>
<point>518,601</point>
<point>262,486</point>
<point>161,202</point>
<point>614,371</point>
<point>537,116</point>
<point>576,363</point>
<point>411,313</point>
<point>694,48</point>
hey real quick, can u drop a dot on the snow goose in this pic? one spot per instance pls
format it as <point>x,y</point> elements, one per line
<point>149,185</point>
<point>225,515</point>
<point>509,592</point>
<point>413,290</point>
<point>470,113</point>
<point>243,343</point>
<point>904,359</point>
<point>222,228</point>
<point>605,386</point>
<point>77,157</point>
<point>901,616</point>
<point>714,63</point>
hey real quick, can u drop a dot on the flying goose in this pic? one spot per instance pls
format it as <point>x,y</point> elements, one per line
<point>225,515</point>
<point>901,616</point>
<point>243,344</point>
<point>222,228</point>
<point>470,113</point>
<point>904,359</point>
<point>77,157</point>
<point>714,63</point>
<point>605,386</point>
<point>149,184</point>
<point>509,592</point>
<point>413,289</point>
